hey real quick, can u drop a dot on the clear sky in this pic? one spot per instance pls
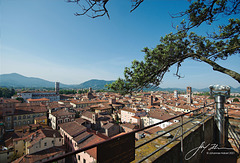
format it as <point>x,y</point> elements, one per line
<point>43,38</point>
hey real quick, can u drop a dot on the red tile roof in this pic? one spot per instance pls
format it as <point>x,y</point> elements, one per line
<point>72,128</point>
<point>41,99</point>
<point>39,156</point>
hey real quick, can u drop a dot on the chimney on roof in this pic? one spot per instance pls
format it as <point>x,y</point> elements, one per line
<point>94,118</point>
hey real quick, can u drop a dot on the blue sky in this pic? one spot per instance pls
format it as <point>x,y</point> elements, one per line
<point>45,39</point>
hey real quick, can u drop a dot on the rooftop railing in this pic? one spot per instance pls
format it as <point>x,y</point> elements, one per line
<point>202,113</point>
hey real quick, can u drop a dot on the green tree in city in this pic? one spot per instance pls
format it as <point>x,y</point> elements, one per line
<point>7,93</point>
<point>82,91</point>
<point>20,99</point>
<point>236,100</point>
<point>66,91</point>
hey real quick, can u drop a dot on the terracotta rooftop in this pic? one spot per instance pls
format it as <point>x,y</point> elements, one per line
<point>108,125</point>
<point>8,100</point>
<point>90,141</point>
<point>87,114</point>
<point>42,133</point>
<point>40,118</point>
<point>62,112</point>
<point>29,109</point>
<point>35,100</point>
<point>72,128</point>
<point>39,156</point>
<point>153,130</point>
<point>80,121</point>
<point>129,125</point>
<point>82,137</point>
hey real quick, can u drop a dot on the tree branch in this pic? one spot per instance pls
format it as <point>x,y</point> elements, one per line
<point>217,67</point>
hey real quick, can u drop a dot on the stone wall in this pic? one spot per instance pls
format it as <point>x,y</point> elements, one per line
<point>202,133</point>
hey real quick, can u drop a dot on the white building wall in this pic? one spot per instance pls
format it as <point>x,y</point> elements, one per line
<point>162,125</point>
<point>126,116</point>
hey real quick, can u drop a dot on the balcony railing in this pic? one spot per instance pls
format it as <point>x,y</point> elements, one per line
<point>202,113</point>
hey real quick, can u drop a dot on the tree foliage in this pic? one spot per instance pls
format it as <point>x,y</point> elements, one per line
<point>82,91</point>
<point>20,99</point>
<point>7,93</point>
<point>66,91</point>
<point>175,48</point>
<point>236,100</point>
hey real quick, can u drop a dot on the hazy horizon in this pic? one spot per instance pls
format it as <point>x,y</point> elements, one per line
<point>104,80</point>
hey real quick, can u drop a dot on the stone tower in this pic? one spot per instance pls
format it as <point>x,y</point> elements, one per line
<point>151,100</point>
<point>175,94</point>
<point>57,87</point>
<point>90,90</point>
<point>189,95</point>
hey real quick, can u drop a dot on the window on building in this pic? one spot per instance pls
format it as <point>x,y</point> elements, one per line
<point>78,157</point>
<point>45,144</point>
<point>28,122</point>
<point>19,117</point>
<point>28,116</point>
<point>84,161</point>
<point>59,140</point>
<point>15,118</point>
<point>19,123</point>
<point>24,116</point>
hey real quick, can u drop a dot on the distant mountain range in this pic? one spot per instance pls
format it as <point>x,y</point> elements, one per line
<point>19,81</point>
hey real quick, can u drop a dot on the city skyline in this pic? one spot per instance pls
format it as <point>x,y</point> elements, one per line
<point>45,40</point>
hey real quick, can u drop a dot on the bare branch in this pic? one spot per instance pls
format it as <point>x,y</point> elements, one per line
<point>137,3</point>
<point>92,8</point>
<point>85,10</point>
